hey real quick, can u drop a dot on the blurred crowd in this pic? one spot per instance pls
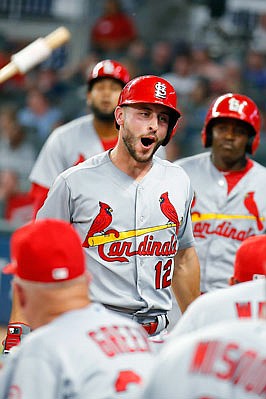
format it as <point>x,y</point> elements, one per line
<point>31,106</point>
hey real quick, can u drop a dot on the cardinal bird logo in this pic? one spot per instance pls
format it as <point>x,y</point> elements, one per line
<point>169,210</point>
<point>102,220</point>
<point>251,206</point>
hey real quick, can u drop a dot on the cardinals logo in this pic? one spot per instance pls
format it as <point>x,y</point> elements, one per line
<point>251,206</point>
<point>169,211</point>
<point>101,222</point>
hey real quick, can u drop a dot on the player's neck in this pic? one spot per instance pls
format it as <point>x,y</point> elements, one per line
<point>124,162</point>
<point>227,165</point>
<point>104,129</point>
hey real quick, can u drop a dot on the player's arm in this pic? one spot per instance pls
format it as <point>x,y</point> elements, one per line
<point>57,203</point>
<point>186,277</point>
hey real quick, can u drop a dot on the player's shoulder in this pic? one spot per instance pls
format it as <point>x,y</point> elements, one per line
<point>224,330</point>
<point>72,126</point>
<point>170,167</point>
<point>193,160</point>
<point>90,164</point>
<point>258,169</point>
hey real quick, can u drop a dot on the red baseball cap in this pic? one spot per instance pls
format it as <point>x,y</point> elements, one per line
<point>250,260</point>
<point>46,251</point>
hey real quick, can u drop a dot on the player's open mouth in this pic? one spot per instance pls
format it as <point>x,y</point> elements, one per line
<point>147,141</point>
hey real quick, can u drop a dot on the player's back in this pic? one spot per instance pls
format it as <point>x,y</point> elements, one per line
<point>84,353</point>
<point>223,361</point>
<point>244,300</point>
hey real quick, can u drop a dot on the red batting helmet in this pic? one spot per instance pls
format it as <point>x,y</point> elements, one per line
<point>154,90</point>
<point>235,106</point>
<point>108,69</point>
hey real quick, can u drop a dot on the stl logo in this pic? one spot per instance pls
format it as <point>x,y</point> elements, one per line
<point>108,67</point>
<point>235,105</point>
<point>160,90</point>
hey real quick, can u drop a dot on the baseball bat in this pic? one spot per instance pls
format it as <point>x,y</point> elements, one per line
<point>34,53</point>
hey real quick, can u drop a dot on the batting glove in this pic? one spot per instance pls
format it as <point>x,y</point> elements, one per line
<point>15,333</point>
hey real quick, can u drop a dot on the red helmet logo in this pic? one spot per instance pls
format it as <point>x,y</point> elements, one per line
<point>154,90</point>
<point>108,69</point>
<point>235,106</point>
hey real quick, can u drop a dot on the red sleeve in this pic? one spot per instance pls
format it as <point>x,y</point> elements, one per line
<point>38,194</point>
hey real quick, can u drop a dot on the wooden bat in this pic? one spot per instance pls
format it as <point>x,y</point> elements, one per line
<point>34,53</point>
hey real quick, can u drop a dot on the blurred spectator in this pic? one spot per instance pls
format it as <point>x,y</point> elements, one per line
<point>17,156</point>
<point>258,39</point>
<point>40,114</point>
<point>181,76</point>
<point>113,31</point>
<point>138,54</point>
<point>254,76</point>
<point>188,139</point>
<point>161,56</point>
<point>233,81</point>
<point>51,85</point>
<point>205,66</point>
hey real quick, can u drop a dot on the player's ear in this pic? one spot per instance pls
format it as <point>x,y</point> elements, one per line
<point>89,98</point>
<point>20,294</point>
<point>119,115</point>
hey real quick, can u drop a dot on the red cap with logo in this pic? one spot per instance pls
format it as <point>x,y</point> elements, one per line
<point>108,69</point>
<point>154,90</point>
<point>46,251</point>
<point>250,260</point>
<point>236,106</point>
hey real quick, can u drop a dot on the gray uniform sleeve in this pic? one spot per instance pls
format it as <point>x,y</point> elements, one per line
<point>50,162</point>
<point>187,237</point>
<point>57,203</point>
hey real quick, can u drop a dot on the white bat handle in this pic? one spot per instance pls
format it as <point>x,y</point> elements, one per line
<point>34,53</point>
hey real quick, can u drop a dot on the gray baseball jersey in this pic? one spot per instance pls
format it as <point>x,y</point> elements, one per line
<point>86,353</point>
<point>221,221</point>
<point>131,230</point>
<point>244,300</point>
<point>223,361</point>
<point>68,145</point>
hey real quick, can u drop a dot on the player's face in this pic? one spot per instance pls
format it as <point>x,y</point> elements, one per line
<point>103,98</point>
<point>229,141</point>
<point>143,129</point>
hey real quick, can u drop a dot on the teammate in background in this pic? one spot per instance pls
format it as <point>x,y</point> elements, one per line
<point>77,349</point>
<point>132,211</point>
<point>222,361</point>
<point>229,203</point>
<point>83,137</point>
<point>245,299</point>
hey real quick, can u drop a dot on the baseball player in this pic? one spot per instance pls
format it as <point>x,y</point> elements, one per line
<point>86,136</point>
<point>76,349</point>
<point>132,211</point>
<point>223,361</point>
<point>229,203</point>
<point>245,299</point>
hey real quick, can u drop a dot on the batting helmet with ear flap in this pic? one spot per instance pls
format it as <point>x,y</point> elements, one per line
<point>108,69</point>
<point>236,106</point>
<point>152,90</point>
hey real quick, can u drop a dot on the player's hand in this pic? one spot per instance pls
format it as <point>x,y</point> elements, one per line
<point>15,333</point>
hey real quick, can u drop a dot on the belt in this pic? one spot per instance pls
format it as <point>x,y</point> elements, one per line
<point>152,327</point>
